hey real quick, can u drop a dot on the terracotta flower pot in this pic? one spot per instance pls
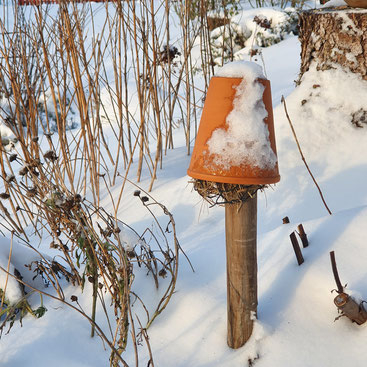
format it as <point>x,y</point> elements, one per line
<point>218,104</point>
<point>357,3</point>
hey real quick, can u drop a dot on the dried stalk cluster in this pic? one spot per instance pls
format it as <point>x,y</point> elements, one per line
<point>92,249</point>
<point>217,193</point>
<point>60,69</point>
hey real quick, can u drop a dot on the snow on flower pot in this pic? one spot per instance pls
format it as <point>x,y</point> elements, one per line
<point>234,156</point>
<point>236,142</point>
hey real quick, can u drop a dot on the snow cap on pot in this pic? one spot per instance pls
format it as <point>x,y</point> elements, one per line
<point>236,142</point>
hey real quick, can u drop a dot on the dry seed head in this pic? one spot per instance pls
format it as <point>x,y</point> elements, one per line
<point>31,192</point>
<point>130,254</point>
<point>53,245</point>
<point>50,155</point>
<point>162,273</point>
<point>23,171</point>
<point>35,162</point>
<point>10,178</point>
<point>262,21</point>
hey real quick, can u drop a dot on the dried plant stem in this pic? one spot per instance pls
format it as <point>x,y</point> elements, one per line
<point>100,331</point>
<point>302,156</point>
<point>59,72</point>
<point>335,272</point>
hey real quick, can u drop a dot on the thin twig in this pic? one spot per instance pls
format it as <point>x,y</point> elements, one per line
<point>335,272</point>
<point>302,156</point>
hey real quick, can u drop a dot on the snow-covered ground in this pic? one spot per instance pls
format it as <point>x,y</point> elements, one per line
<point>296,313</point>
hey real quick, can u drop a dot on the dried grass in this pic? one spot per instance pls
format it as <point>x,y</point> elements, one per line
<point>219,193</point>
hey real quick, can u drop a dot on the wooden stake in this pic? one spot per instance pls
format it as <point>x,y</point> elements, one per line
<point>302,235</point>
<point>296,248</point>
<point>350,308</point>
<point>346,304</point>
<point>285,220</point>
<point>241,232</point>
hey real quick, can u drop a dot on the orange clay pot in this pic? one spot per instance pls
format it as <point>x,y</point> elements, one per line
<point>218,104</point>
<point>357,3</point>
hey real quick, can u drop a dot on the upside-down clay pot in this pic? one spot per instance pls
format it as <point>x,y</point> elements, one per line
<point>357,3</point>
<point>218,104</point>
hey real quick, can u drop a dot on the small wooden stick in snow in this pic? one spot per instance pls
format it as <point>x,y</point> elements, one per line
<point>345,303</point>
<point>302,235</point>
<point>296,248</point>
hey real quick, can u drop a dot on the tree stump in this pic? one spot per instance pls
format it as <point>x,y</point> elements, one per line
<point>334,36</point>
<point>350,308</point>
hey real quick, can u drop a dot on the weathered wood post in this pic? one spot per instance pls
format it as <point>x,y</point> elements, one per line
<point>241,233</point>
<point>230,163</point>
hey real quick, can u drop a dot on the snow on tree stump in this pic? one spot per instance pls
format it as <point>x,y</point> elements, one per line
<point>235,156</point>
<point>334,36</point>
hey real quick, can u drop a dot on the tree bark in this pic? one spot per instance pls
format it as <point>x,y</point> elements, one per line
<point>241,232</point>
<point>332,37</point>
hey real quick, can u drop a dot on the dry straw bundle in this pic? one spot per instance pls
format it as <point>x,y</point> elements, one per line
<point>219,193</point>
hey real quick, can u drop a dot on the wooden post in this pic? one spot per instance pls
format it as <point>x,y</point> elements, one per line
<point>241,232</point>
<point>296,248</point>
<point>302,235</point>
<point>350,308</point>
<point>285,220</point>
<point>233,184</point>
<point>346,304</point>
